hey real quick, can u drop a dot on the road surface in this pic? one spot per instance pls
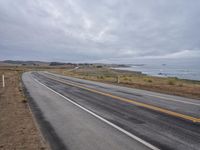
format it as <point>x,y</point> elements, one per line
<point>79,114</point>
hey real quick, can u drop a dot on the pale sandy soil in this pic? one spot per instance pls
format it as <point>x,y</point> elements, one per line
<point>18,130</point>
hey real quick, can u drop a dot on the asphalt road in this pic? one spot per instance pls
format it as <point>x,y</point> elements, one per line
<point>79,114</point>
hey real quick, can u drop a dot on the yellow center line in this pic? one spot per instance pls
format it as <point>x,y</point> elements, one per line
<point>155,108</point>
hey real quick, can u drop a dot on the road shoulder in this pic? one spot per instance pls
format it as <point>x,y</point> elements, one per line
<point>17,127</point>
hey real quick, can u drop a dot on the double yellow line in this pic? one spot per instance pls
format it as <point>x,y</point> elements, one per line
<point>151,107</point>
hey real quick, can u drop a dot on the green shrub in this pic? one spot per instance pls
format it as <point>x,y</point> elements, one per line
<point>100,77</point>
<point>149,80</point>
<point>125,78</point>
<point>180,84</point>
<point>171,82</point>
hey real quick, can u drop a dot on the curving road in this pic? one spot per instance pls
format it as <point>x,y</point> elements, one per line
<point>80,114</point>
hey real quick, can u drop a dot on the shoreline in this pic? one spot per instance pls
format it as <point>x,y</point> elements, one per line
<point>171,85</point>
<point>134,79</point>
<point>160,75</point>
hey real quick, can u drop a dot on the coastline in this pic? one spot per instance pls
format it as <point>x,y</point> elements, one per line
<point>158,74</point>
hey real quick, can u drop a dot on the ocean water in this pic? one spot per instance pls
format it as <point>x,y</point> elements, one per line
<point>182,69</point>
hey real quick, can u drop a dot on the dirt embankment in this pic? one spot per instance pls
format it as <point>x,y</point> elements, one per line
<point>18,130</point>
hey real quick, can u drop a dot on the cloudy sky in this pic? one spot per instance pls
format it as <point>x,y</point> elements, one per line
<point>99,30</point>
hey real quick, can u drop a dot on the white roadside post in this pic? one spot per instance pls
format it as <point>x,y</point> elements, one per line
<point>118,79</point>
<point>3,81</point>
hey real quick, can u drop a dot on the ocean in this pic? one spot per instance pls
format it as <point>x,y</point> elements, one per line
<point>183,69</point>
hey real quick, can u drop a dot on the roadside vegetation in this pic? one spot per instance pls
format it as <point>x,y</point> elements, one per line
<point>103,73</point>
<point>173,85</point>
<point>17,128</point>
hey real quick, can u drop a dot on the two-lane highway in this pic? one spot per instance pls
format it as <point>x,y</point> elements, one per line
<point>90,115</point>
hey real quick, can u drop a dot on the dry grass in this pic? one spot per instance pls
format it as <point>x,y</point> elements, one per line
<point>172,86</point>
<point>17,128</point>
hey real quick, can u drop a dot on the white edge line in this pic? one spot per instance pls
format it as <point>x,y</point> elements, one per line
<point>104,120</point>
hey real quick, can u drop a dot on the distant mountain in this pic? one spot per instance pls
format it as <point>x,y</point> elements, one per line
<point>33,63</point>
<point>19,62</point>
<point>58,64</point>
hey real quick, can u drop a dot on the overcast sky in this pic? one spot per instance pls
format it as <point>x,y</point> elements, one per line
<point>99,30</point>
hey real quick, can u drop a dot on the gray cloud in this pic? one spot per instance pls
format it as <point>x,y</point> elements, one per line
<point>77,30</point>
